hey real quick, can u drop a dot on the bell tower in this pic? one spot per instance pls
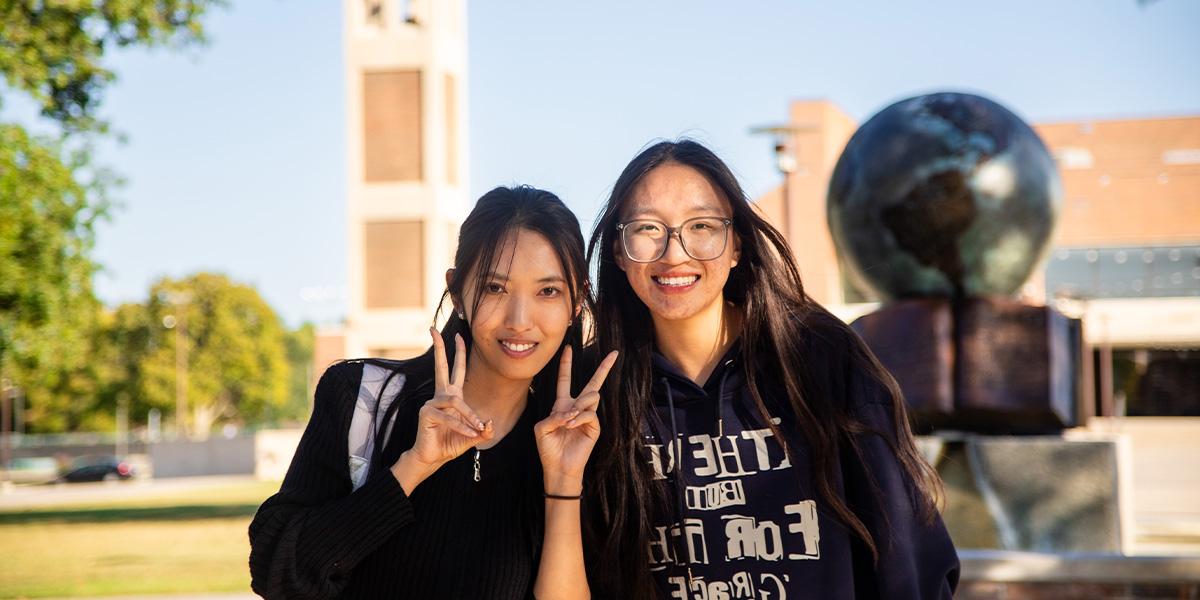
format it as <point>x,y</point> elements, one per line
<point>406,178</point>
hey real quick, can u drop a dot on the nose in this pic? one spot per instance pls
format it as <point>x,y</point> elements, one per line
<point>674,254</point>
<point>517,315</point>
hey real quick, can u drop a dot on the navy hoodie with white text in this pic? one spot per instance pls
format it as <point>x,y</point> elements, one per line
<point>746,521</point>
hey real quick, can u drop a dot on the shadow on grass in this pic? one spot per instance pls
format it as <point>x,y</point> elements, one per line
<point>115,515</point>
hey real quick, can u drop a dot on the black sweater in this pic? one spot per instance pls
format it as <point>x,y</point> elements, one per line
<point>453,538</point>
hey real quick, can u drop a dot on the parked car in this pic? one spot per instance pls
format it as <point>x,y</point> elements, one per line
<point>32,470</point>
<point>97,468</point>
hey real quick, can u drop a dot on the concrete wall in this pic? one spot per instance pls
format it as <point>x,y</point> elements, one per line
<point>1165,480</point>
<point>993,575</point>
<point>215,456</point>
<point>273,451</point>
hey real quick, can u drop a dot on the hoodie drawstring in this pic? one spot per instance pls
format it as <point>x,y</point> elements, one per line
<point>681,547</point>
<point>721,399</point>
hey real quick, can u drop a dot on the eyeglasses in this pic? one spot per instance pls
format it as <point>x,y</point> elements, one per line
<point>702,238</point>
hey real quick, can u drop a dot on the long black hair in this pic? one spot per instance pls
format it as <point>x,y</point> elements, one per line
<point>766,285</point>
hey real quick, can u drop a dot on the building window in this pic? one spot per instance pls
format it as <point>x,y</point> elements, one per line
<point>1124,272</point>
<point>451,130</point>
<point>410,11</point>
<point>395,264</point>
<point>374,10</point>
<point>1157,382</point>
<point>392,126</point>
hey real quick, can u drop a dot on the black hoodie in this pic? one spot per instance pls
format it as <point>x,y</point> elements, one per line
<point>747,522</point>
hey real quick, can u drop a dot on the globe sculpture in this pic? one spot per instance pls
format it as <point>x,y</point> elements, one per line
<point>943,205</point>
<point>946,194</point>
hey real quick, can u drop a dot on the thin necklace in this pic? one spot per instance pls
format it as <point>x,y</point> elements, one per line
<point>478,452</point>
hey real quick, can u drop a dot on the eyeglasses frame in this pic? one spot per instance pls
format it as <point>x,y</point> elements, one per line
<point>677,233</point>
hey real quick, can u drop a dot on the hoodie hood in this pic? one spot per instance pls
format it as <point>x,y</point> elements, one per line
<point>672,389</point>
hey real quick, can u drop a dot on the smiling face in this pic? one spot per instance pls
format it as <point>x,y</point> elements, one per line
<point>523,311</point>
<point>676,286</point>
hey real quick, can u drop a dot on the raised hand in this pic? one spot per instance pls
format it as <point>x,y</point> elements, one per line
<point>446,426</point>
<point>566,437</point>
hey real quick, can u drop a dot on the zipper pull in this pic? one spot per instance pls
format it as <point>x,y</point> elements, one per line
<point>477,464</point>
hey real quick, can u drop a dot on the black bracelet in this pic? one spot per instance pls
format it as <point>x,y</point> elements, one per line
<point>559,497</point>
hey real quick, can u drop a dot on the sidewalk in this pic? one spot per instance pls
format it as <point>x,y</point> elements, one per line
<point>241,596</point>
<point>42,496</point>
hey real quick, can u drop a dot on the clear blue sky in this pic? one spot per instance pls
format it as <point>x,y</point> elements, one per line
<point>235,152</point>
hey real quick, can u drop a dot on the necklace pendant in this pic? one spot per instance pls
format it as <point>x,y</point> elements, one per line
<point>476,464</point>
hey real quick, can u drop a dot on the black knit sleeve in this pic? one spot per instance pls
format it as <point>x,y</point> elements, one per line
<point>306,539</point>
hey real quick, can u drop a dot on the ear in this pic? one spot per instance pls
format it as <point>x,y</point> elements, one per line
<point>453,299</point>
<point>737,250</point>
<point>618,255</point>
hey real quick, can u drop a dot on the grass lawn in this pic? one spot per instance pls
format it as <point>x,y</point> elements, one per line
<point>151,543</point>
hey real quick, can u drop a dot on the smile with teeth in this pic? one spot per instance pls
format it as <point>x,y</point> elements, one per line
<point>518,347</point>
<point>677,281</point>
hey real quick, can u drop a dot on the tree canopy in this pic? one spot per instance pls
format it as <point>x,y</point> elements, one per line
<point>52,53</point>
<point>236,349</point>
<point>47,309</point>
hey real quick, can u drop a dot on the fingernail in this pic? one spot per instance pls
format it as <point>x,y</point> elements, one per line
<point>574,413</point>
<point>570,423</point>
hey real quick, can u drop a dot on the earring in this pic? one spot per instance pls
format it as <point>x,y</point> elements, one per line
<point>461,316</point>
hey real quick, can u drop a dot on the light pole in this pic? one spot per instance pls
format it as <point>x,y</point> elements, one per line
<point>121,448</point>
<point>5,449</point>
<point>786,163</point>
<point>178,322</point>
<point>19,412</point>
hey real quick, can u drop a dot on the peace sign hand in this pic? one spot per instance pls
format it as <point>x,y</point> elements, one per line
<point>566,437</point>
<point>446,426</point>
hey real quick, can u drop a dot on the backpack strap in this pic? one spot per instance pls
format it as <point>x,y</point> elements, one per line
<point>373,418</point>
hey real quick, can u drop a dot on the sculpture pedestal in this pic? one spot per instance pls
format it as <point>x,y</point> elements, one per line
<point>1037,493</point>
<point>989,365</point>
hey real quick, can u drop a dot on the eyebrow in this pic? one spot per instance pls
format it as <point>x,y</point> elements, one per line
<point>698,208</point>
<point>547,279</point>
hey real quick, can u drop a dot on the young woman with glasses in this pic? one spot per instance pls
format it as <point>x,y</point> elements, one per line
<point>467,481</point>
<point>753,445</point>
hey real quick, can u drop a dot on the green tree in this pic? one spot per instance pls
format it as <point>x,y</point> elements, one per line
<point>235,348</point>
<point>48,209</point>
<point>51,195</point>
<point>301,344</point>
<point>53,50</point>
